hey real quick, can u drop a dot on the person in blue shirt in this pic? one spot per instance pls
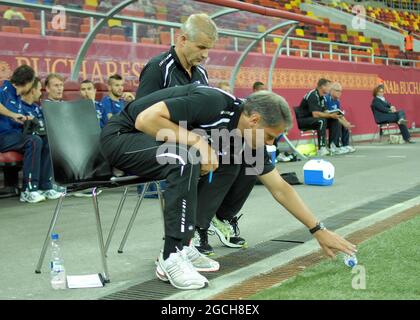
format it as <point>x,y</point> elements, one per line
<point>332,102</point>
<point>37,172</point>
<point>88,91</point>
<point>115,101</point>
<point>20,82</point>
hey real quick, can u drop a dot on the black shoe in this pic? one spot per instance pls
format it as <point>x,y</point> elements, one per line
<point>201,242</point>
<point>228,232</point>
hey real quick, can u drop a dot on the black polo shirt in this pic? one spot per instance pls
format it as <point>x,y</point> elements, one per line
<point>312,101</point>
<point>202,107</point>
<point>164,71</point>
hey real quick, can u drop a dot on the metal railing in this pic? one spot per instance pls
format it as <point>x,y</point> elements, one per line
<point>236,34</point>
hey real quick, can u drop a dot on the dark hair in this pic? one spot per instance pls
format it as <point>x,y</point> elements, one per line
<point>86,81</point>
<point>114,77</point>
<point>322,82</point>
<point>257,84</point>
<point>273,108</point>
<point>377,88</point>
<point>36,82</point>
<point>53,76</point>
<point>22,75</point>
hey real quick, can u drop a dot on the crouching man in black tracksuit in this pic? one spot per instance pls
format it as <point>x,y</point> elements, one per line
<point>146,140</point>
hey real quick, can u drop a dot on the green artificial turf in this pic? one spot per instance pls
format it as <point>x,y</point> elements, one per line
<point>391,260</point>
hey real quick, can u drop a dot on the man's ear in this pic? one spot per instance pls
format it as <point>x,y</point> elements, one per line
<point>254,119</point>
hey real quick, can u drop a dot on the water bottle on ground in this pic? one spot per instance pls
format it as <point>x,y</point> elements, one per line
<point>350,261</point>
<point>413,125</point>
<point>58,272</point>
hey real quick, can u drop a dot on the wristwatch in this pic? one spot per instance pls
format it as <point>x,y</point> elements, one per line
<point>319,226</point>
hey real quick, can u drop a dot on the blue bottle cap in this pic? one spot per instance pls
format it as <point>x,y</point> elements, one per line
<point>54,236</point>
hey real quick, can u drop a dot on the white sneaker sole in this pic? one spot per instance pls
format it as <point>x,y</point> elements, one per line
<point>162,276</point>
<point>27,201</point>
<point>222,238</point>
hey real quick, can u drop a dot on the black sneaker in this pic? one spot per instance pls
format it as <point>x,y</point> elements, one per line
<point>201,242</point>
<point>228,232</point>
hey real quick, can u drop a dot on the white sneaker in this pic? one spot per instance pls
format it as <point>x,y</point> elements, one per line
<point>31,196</point>
<point>199,261</point>
<point>51,194</point>
<point>180,272</point>
<point>341,150</point>
<point>323,152</point>
<point>350,148</point>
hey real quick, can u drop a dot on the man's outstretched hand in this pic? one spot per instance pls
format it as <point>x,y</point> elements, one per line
<point>330,241</point>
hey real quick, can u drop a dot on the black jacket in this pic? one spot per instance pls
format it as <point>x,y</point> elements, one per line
<point>380,108</point>
<point>165,71</point>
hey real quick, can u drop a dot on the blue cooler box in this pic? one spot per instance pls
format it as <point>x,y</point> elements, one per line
<point>318,172</point>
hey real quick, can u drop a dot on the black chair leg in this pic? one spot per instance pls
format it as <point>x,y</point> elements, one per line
<point>116,218</point>
<point>50,230</point>
<point>100,236</point>
<point>133,217</point>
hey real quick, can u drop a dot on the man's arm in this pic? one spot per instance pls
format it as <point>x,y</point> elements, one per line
<point>315,108</point>
<point>19,118</point>
<point>289,199</point>
<point>157,117</point>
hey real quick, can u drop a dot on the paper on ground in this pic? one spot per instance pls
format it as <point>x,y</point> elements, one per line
<point>85,281</point>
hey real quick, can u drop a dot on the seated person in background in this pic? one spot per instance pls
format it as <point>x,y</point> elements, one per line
<point>115,101</point>
<point>88,91</point>
<point>384,112</point>
<point>224,85</point>
<point>258,86</point>
<point>12,14</point>
<point>332,102</point>
<point>54,86</point>
<point>312,114</point>
<point>37,170</point>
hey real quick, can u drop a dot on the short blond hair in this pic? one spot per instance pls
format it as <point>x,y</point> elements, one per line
<point>199,22</point>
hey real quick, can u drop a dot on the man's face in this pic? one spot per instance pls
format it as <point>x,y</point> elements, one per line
<point>380,93</point>
<point>116,87</point>
<point>37,92</point>
<point>196,52</point>
<point>55,89</point>
<point>22,90</point>
<point>336,93</point>
<point>325,89</point>
<point>87,91</point>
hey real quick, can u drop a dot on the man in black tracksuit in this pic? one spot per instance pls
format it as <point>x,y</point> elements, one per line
<point>312,114</point>
<point>132,142</point>
<point>180,65</point>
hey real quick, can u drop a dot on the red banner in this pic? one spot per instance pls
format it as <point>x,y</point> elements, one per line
<point>293,76</point>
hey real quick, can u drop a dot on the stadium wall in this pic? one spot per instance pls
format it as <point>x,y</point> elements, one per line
<point>293,77</point>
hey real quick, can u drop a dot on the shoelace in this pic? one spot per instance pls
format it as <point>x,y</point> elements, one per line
<point>234,224</point>
<point>204,237</point>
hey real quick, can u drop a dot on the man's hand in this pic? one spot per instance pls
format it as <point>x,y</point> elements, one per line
<point>330,241</point>
<point>335,116</point>
<point>393,109</point>
<point>20,118</point>
<point>209,160</point>
<point>128,96</point>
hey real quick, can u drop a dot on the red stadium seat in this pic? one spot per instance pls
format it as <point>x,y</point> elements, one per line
<point>11,29</point>
<point>31,31</point>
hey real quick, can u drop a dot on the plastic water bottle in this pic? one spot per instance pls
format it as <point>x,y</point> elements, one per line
<point>58,272</point>
<point>350,261</point>
<point>413,125</point>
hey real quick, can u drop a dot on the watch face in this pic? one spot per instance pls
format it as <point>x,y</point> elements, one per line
<point>322,226</point>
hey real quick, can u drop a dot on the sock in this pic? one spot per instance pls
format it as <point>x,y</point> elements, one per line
<point>171,244</point>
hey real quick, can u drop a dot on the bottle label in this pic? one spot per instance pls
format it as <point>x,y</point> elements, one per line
<point>56,266</point>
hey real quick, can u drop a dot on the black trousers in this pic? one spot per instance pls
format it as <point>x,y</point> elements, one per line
<point>225,195</point>
<point>139,154</point>
<point>321,125</point>
<point>394,117</point>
